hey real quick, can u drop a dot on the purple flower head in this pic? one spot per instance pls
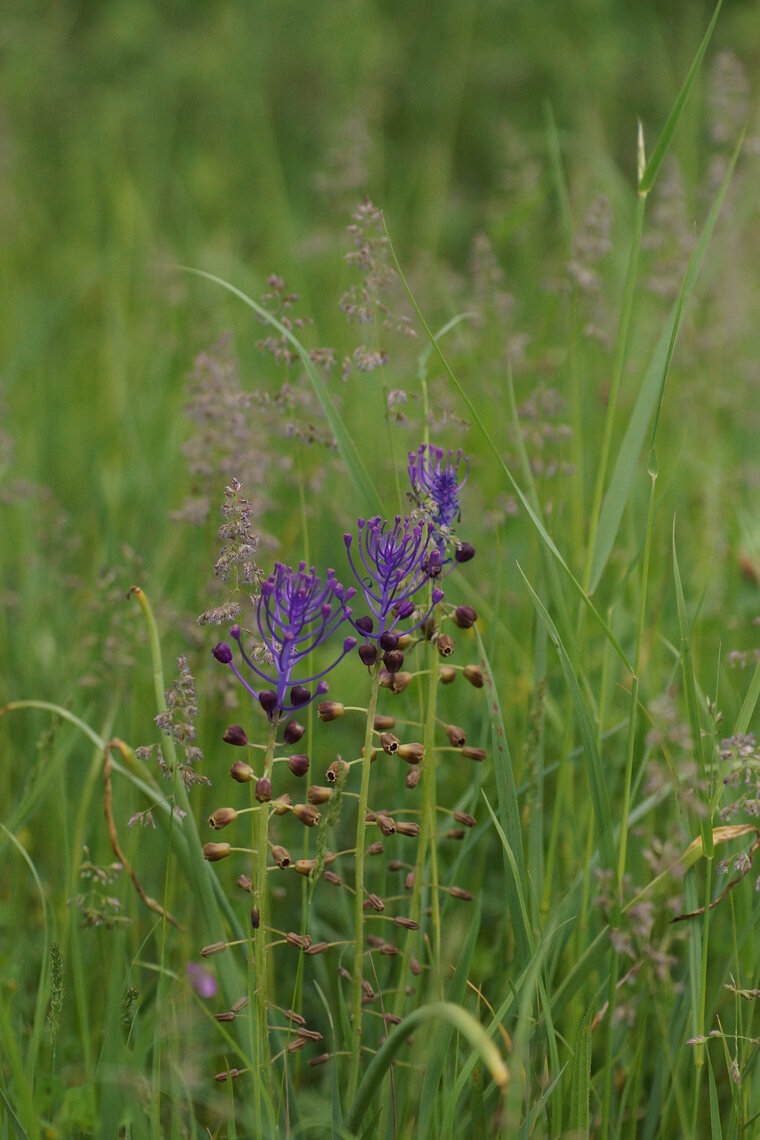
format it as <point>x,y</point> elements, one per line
<point>295,614</point>
<point>435,484</point>
<point>395,563</point>
<point>201,979</point>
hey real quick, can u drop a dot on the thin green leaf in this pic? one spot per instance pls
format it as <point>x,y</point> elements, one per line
<point>364,486</point>
<point>716,1128</point>
<point>509,811</point>
<point>580,1117</point>
<point>663,143</point>
<point>636,432</point>
<point>594,770</point>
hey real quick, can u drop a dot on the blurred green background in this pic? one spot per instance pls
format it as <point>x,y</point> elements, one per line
<point>236,138</point>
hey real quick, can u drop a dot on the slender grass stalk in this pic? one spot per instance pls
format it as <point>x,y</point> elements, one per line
<point>361,828</point>
<point>260,828</point>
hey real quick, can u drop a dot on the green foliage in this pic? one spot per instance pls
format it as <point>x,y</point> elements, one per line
<point>570,276</point>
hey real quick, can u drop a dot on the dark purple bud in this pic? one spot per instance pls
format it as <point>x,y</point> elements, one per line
<point>299,695</point>
<point>405,609</point>
<point>464,552</point>
<point>298,764</point>
<point>393,660</point>
<point>255,917</point>
<point>389,641</point>
<point>368,654</point>
<point>222,652</point>
<point>263,790</point>
<point>465,617</point>
<point>235,632</point>
<point>437,597</point>
<point>349,644</point>
<point>365,624</point>
<point>235,735</point>
<point>268,701</point>
<point>293,732</point>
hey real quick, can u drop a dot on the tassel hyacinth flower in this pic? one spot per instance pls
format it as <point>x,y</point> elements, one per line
<point>436,485</point>
<point>395,563</point>
<point>295,614</point>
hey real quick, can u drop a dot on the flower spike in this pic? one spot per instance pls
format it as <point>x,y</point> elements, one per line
<point>296,612</point>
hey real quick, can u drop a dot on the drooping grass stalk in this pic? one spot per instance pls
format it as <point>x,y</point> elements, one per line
<point>361,828</point>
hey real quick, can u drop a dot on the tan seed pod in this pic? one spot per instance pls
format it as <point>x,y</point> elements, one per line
<point>307,814</point>
<point>386,823</point>
<point>456,735</point>
<point>407,923</point>
<point>478,754</point>
<point>213,852</point>
<point>222,817</point>
<point>242,773</point>
<point>407,828</point>
<point>465,818</point>
<point>212,949</point>
<point>283,804</point>
<point>413,777</point>
<point>375,848</point>
<point>460,893</point>
<point>474,674</point>
<point>330,710</point>
<point>383,723</point>
<point>305,866</point>
<point>300,941</point>
<point>336,770</point>
<point>389,743</point>
<point>455,833</point>
<point>318,795</point>
<point>445,645</point>
<point>412,753</point>
<point>281,856</point>
<point>447,674</point>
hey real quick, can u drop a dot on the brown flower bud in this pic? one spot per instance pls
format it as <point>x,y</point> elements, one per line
<point>478,754</point>
<point>315,948</point>
<point>465,617</point>
<point>255,917</point>
<point>413,777</point>
<point>374,902</point>
<point>445,644</point>
<point>298,764</point>
<point>244,882</point>
<point>367,655</point>
<point>281,856</point>
<point>404,828</point>
<point>343,973</point>
<point>474,675</point>
<point>396,865</point>
<point>456,735</point>
<point>386,823</point>
<point>375,942</point>
<point>383,723</point>
<point>213,852</point>
<point>241,772</point>
<point>322,1059</point>
<point>465,818</point>
<point>389,743</point>
<point>389,949</point>
<point>367,990</point>
<point>455,833</point>
<point>239,1005</point>
<point>235,735</point>
<point>264,790</point>
<point>331,877</point>
<point>293,732</point>
<point>318,794</point>
<point>221,818</point>
<point>330,710</point>
<point>409,881</point>
<point>228,1015</point>
<point>307,814</point>
<point>415,967</point>
<point>305,866</point>
<point>399,682</point>
<point>295,1018</point>
<point>282,804</point>
<point>391,1019</point>
<point>413,752</point>
<point>213,948</point>
<point>407,923</point>
<point>459,893</point>
<point>300,941</point>
<point>375,848</point>
<point>336,770</point>
<point>297,1043</point>
<point>447,674</point>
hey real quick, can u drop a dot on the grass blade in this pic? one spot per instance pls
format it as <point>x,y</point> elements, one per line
<point>594,771</point>
<point>651,170</point>
<point>646,402</point>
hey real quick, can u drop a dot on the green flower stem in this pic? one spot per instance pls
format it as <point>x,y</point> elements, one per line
<point>361,827</point>
<point>259,828</point>
<point>428,823</point>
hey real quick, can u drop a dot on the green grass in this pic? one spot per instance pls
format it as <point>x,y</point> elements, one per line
<point>612,441</point>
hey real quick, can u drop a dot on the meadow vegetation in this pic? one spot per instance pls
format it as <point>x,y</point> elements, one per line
<point>294,294</point>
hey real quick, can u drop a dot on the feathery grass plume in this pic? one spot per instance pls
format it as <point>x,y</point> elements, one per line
<point>364,304</point>
<point>55,1001</point>
<point>236,564</point>
<point>178,722</point>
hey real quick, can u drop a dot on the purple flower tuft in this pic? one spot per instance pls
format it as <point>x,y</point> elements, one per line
<point>393,563</point>
<point>295,614</point>
<point>436,484</point>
